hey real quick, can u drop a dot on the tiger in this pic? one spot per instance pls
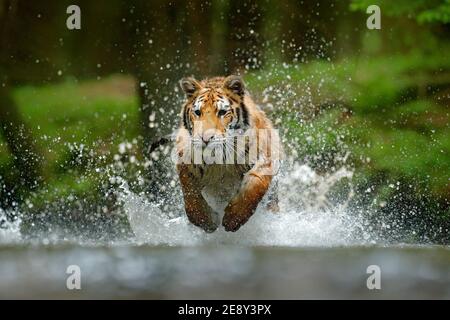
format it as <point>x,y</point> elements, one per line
<point>215,112</point>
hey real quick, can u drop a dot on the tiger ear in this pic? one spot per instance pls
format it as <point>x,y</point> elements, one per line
<point>235,84</point>
<point>189,86</point>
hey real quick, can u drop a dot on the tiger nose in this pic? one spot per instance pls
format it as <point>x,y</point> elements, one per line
<point>208,136</point>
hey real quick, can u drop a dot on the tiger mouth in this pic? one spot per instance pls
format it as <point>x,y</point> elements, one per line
<point>214,142</point>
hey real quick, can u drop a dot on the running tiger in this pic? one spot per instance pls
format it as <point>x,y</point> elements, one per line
<point>220,119</point>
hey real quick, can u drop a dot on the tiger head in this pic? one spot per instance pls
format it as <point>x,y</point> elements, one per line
<point>214,108</point>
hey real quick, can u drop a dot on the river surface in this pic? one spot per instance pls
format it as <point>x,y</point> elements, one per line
<point>224,272</point>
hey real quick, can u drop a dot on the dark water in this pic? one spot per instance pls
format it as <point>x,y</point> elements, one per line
<point>211,272</point>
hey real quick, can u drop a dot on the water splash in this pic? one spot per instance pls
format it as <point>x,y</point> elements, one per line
<point>307,217</point>
<point>9,227</point>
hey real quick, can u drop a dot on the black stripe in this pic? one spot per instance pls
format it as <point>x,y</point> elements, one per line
<point>237,112</point>
<point>238,115</point>
<point>244,114</point>
<point>186,122</point>
<point>233,99</point>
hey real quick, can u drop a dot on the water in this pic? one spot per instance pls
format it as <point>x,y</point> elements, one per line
<point>305,219</point>
<point>315,247</point>
<point>210,272</point>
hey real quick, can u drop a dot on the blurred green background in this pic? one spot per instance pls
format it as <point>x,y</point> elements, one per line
<point>79,105</point>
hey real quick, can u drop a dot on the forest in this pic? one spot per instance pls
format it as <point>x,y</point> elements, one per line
<point>80,109</point>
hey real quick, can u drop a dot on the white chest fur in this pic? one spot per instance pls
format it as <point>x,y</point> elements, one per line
<point>220,183</point>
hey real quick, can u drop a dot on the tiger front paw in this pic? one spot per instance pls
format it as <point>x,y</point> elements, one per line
<point>235,216</point>
<point>204,220</point>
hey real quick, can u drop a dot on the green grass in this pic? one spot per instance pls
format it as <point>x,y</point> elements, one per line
<point>91,113</point>
<point>77,128</point>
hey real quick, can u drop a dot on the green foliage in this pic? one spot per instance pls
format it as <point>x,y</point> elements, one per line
<point>77,127</point>
<point>387,111</point>
<point>71,119</point>
<point>423,11</point>
<point>440,13</point>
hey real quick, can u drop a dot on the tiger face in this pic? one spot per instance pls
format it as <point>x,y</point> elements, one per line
<point>214,110</point>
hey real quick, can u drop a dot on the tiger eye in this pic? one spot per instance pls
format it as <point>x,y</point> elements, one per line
<point>221,113</point>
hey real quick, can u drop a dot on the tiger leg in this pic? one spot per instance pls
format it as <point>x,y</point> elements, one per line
<point>243,205</point>
<point>197,210</point>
